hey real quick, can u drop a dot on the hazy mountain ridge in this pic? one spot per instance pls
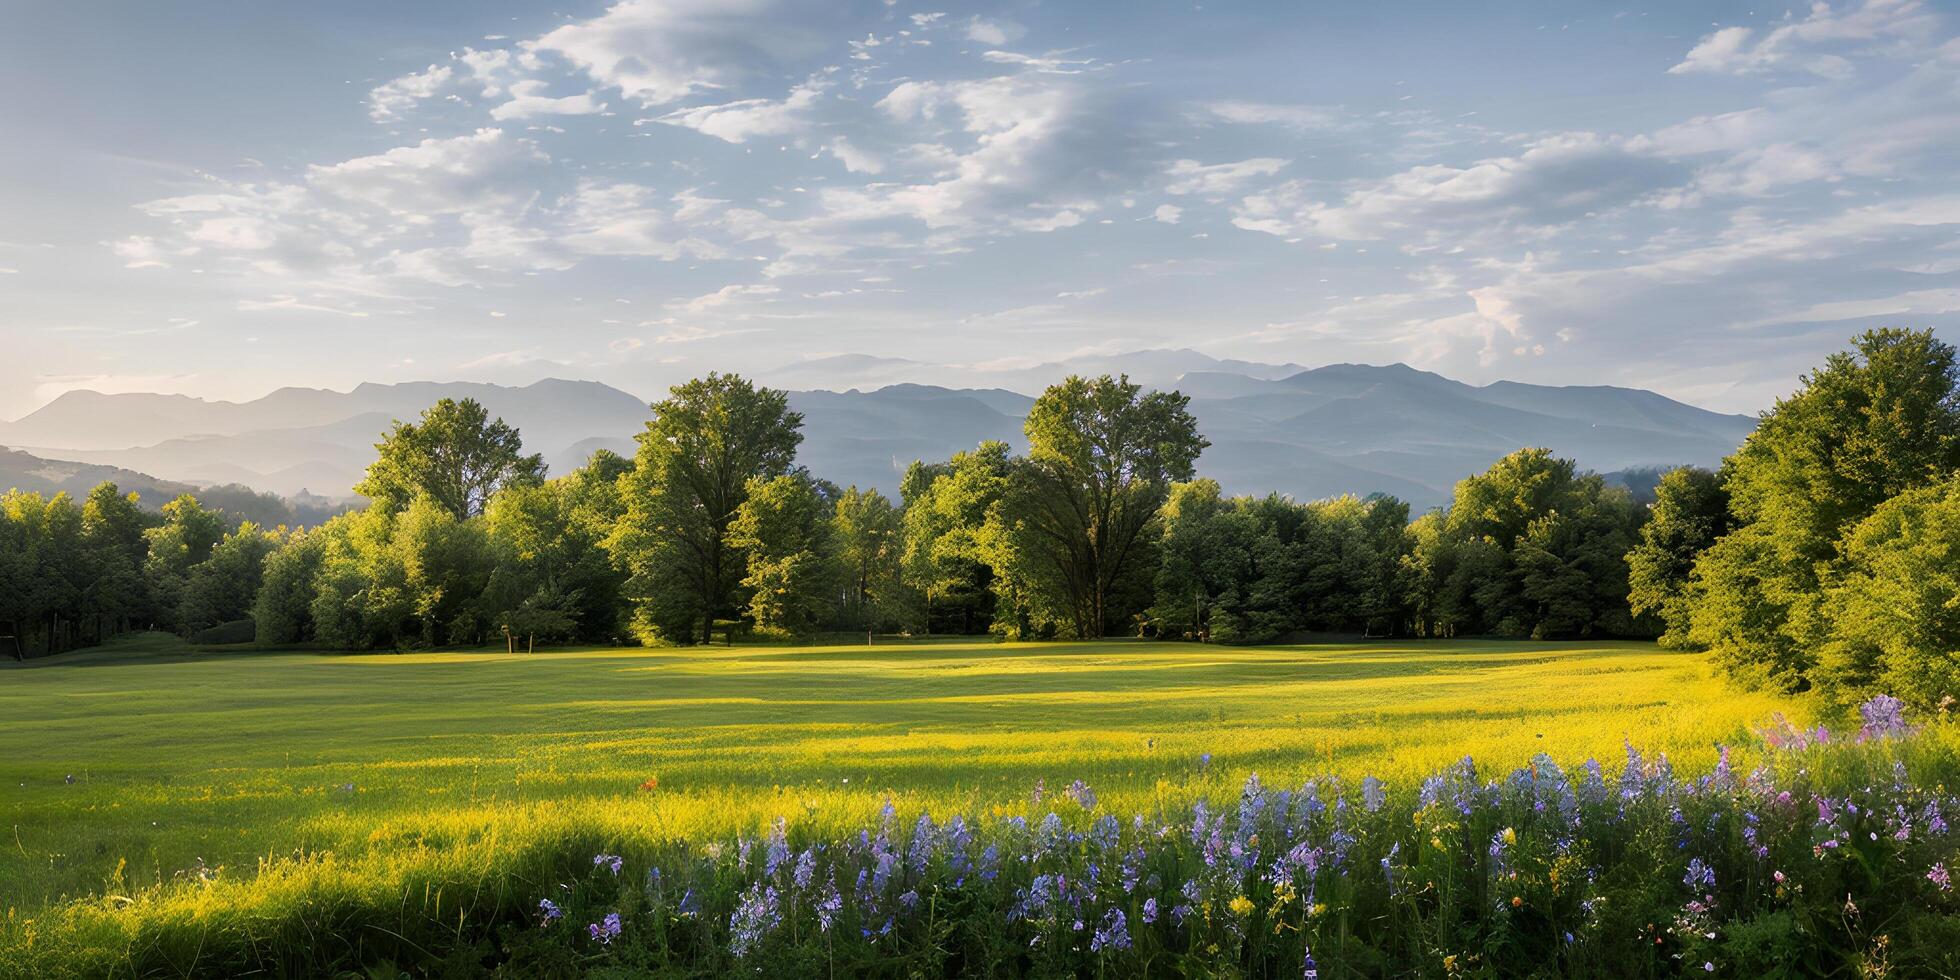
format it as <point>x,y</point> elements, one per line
<point>1342,428</point>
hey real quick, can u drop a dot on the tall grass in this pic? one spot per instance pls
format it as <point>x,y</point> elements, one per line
<point>1806,860</point>
<point>301,813</point>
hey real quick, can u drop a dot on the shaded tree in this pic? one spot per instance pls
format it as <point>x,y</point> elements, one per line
<point>793,577</point>
<point>1079,521</point>
<point>1690,511</point>
<point>690,476</point>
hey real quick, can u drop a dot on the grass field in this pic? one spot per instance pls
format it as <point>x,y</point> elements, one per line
<point>182,760</point>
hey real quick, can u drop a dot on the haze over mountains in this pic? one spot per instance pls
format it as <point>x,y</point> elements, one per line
<point>1344,428</point>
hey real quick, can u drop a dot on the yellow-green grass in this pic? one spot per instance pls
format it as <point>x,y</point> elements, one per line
<point>396,761</point>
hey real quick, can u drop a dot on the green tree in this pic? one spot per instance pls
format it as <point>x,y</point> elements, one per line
<point>946,562</point>
<point>1870,424</point>
<point>1895,604</point>
<point>1206,562</point>
<point>456,454</point>
<point>1530,547</point>
<point>1079,523</point>
<point>113,552</point>
<point>182,542</point>
<point>784,528</point>
<point>690,476</point>
<point>223,588</point>
<point>1690,511</point>
<point>870,536</point>
<point>552,577</point>
<point>283,611</point>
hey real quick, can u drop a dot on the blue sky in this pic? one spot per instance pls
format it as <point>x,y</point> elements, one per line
<point>1703,199</point>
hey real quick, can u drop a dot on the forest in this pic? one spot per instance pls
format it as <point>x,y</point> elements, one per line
<point>1818,556</point>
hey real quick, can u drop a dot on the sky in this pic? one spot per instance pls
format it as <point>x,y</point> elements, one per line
<point>1701,198</point>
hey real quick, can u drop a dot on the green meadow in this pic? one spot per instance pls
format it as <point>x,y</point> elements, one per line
<point>148,763</point>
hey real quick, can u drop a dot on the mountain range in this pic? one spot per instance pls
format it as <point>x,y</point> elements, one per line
<point>1308,432</point>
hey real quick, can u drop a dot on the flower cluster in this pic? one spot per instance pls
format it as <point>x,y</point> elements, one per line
<point>1505,872</point>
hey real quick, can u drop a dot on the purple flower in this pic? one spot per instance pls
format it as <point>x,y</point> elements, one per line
<point>1883,718</point>
<point>1083,796</point>
<point>1149,911</point>
<point>1114,933</point>
<point>611,861</point>
<point>550,910</point>
<point>1939,877</point>
<point>605,929</point>
<point>1700,876</point>
<point>1373,794</point>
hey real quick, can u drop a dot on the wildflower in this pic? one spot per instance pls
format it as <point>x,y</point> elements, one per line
<point>1083,796</point>
<point>604,930</point>
<point>1114,933</point>
<point>1939,877</point>
<point>1883,718</point>
<point>1241,905</point>
<point>1309,970</point>
<point>1373,794</point>
<point>1149,911</point>
<point>1204,761</point>
<point>550,911</point>
<point>611,861</point>
<point>1510,836</point>
<point>1700,876</point>
<point>753,919</point>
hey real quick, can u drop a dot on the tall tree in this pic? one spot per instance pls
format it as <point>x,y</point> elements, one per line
<point>947,559</point>
<point>870,539</point>
<point>456,454</point>
<point>1207,563</point>
<point>112,539</point>
<point>1081,511</point>
<point>690,476</point>
<point>1873,422</point>
<point>1895,602</point>
<point>1690,511</point>
<point>183,541</point>
<point>223,588</point>
<point>784,528</point>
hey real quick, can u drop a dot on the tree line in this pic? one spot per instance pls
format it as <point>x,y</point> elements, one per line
<point>1818,555</point>
<point>1825,553</point>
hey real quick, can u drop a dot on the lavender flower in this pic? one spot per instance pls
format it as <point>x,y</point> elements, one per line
<point>1940,878</point>
<point>1700,876</point>
<point>550,911</point>
<point>605,930</point>
<point>610,861</point>
<point>1883,718</point>
<point>1114,933</point>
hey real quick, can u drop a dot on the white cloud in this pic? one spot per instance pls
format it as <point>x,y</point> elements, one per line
<point>387,101</point>
<point>459,173</point>
<point>1557,179</point>
<point>293,303</point>
<point>1192,177</point>
<point>996,31</point>
<point>661,51</point>
<point>722,297</point>
<point>1168,213</point>
<point>1303,117</point>
<point>528,102</point>
<point>1802,44</point>
<point>736,122</point>
<point>855,160</point>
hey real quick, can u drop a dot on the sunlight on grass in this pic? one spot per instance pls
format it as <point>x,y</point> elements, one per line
<point>179,756</point>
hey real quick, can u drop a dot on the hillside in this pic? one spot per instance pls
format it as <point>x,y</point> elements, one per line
<point>1343,428</point>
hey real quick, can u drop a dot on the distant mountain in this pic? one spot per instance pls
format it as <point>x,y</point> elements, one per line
<point>1343,428</point>
<point>30,473</point>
